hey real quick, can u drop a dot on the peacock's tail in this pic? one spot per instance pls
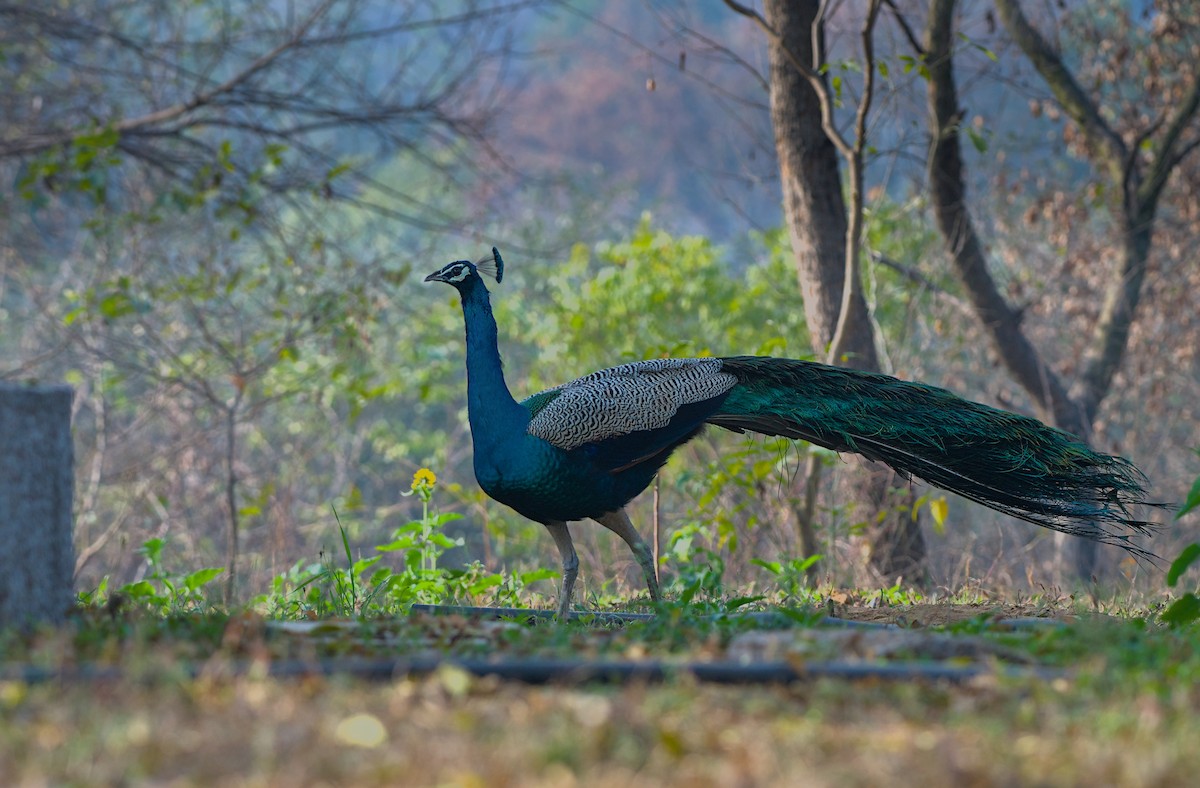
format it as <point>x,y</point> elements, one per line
<point>1011,463</point>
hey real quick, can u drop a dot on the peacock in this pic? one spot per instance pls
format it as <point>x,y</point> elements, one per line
<point>584,449</point>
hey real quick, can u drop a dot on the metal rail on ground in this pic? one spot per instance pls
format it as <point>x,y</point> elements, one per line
<point>553,671</point>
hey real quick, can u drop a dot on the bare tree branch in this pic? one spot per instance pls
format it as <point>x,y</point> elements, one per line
<point>851,151</point>
<point>814,77</point>
<point>808,155</point>
<point>916,277</point>
<point>1168,155</point>
<point>1138,183</point>
<point>37,143</point>
<point>1065,88</point>
<point>265,83</point>
<point>905,28</point>
<point>1140,190</point>
<point>949,198</point>
<point>852,284</point>
<point>657,57</point>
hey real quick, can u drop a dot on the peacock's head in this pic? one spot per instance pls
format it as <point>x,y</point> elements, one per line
<point>461,272</point>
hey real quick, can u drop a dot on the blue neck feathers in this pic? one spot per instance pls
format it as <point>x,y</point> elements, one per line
<point>491,409</point>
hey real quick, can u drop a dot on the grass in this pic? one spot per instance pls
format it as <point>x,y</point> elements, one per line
<point>1120,707</point>
<point>450,730</point>
<point>1124,714</point>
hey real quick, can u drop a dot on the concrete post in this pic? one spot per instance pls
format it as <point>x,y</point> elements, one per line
<point>37,481</point>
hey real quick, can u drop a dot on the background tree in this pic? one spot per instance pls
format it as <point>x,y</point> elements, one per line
<point>826,236</point>
<point>178,168</point>
<point>217,208</point>
<point>1132,165</point>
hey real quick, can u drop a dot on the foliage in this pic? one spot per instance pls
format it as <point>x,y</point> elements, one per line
<point>210,285</point>
<point>1185,609</point>
<point>667,296</point>
<point>348,389</point>
<point>366,587</point>
<point>232,300</point>
<point>1193,498</point>
<point>161,592</point>
<point>791,574</point>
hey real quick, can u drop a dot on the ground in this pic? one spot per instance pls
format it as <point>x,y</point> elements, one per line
<point>1114,702</point>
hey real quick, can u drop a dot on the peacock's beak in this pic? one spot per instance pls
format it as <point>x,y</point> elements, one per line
<point>436,276</point>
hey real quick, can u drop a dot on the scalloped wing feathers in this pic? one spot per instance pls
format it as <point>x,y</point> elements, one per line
<point>637,397</point>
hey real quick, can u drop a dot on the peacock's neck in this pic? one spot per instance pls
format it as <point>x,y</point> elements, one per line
<point>491,409</point>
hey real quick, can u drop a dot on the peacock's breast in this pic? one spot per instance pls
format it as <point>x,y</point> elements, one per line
<point>546,484</point>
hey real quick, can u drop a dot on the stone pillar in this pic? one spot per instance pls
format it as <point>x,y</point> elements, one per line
<point>37,482</point>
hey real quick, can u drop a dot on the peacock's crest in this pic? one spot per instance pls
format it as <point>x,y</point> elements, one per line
<point>492,265</point>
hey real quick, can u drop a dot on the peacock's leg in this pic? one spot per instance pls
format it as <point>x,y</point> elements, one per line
<point>570,565</point>
<point>618,522</point>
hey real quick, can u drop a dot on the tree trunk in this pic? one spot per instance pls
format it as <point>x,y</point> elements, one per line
<point>813,206</point>
<point>816,218</point>
<point>37,477</point>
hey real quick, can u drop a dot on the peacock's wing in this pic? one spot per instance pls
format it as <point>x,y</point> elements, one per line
<point>632,413</point>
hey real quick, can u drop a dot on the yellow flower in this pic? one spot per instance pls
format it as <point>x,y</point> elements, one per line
<point>424,478</point>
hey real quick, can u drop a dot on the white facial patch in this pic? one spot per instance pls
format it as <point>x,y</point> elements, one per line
<point>462,273</point>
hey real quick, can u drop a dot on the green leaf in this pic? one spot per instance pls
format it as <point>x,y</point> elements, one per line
<point>441,540</point>
<point>1180,565</point>
<point>916,506</point>
<point>803,566</point>
<point>116,305</point>
<point>403,543</point>
<point>71,316</point>
<point>742,601</point>
<point>142,589</point>
<point>103,138</point>
<point>977,139</point>
<point>274,153</point>
<point>363,564</point>
<point>1193,500</point>
<point>774,567</point>
<point>484,583</point>
<point>1184,610</point>
<point>152,549</point>
<point>535,575</point>
<point>337,170</point>
<point>225,155</point>
<point>201,577</point>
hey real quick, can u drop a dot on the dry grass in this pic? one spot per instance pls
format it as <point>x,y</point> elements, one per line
<point>450,729</point>
<point>1127,715</point>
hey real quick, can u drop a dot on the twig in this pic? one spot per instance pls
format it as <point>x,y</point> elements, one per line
<point>913,275</point>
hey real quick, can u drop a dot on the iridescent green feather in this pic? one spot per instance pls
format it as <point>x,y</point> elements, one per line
<point>1012,463</point>
<point>540,400</point>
